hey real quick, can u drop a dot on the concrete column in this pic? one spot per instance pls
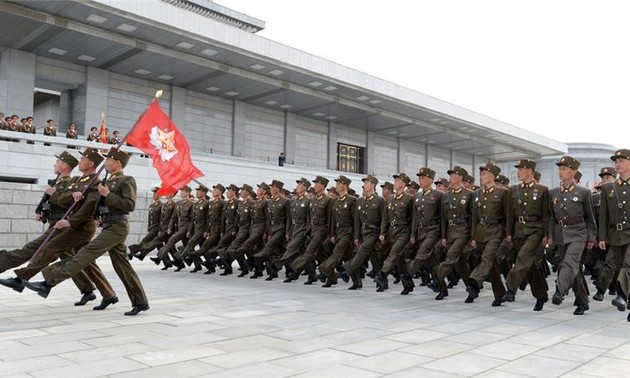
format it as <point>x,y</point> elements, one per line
<point>332,145</point>
<point>289,136</point>
<point>238,128</point>
<point>17,82</point>
<point>402,157</point>
<point>370,159</point>
<point>65,111</point>
<point>91,99</point>
<point>178,107</point>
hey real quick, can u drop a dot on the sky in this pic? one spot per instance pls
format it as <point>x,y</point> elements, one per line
<point>557,68</point>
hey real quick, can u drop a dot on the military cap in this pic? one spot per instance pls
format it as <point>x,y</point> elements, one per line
<point>492,168</point>
<point>67,158</point>
<point>278,184</point>
<point>371,179</point>
<point>430,173</point>
<point>332,189</point>
<point>202,188</point>
<point>187,189</point>
<point>248,188</point>
<point>537,175</point>
<point>502,179</point>
<point>322,180</point>
<point>155,188</point>
<point>352,192</point>
<point>92,154</point>
<point>343,179</point>
<point>116,154</point>
<point>311,190</point>
<point>286,193</point>
<point>220,187</point>
<point>443,181</point>
<point>526,163</point>
<point>623,154</point>
<point>233,188</point>
<point>265,187</point>
<point>414,185</point>
<point>610,171</point>
<point>458,171</point>
<point>569,161</point>
<point>388,185</point>
<point>469,178</point>
<point>403,176</point>
<point>578,176</point>
<point>304,182</point>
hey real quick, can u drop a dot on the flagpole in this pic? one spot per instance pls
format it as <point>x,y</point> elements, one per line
<point>158,94</point>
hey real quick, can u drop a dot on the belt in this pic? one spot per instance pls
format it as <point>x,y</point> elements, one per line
<point>114,218</point>
<point>430,222</point>
<point>620,226</point>
<point>528,218</point>
<point>319,222</point>
<point>370,226</point>
<point>344,224</point>
<point>297,222</point>
<point>456,221</point>
<point>485,220</point>
<point>398,223</point>
<point>570,222</point>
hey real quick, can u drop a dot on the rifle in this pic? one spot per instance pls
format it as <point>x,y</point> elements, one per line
<point>43,208</point>
<point>100,208</point>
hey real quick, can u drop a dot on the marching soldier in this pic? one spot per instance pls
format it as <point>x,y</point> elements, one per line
<point>456,221</point>
<point>571,227</point>
<point>492,223</point>
<point>196,229</point>
<point>229,228</point>
<point>141,250</point>
<point>341,231</point>
<point>442,184</point>
<point>396,232</point>
<point>257,233</point>
<point>530,209</point>
<point>412,188</point>
<point>614,225</point>
<point>299,216</point>
<point>119,199</point>
<point>318,227</point>
<point>367,226</point>
<point>243,221</point>
<point>425,229</point>
<point>213,233</point>
<point>610,269</point>
<point>153,223</point>
<point>278,223</point>
<point>177,228</point>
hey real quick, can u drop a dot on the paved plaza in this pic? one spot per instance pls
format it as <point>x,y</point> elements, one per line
<point>214,326</point>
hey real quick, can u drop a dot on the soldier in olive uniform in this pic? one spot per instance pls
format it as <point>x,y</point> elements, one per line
<point>609,268</point>
<point>341,231</point>
<point>492,223</point>
<point>530,209</point>
<point>243,220</point>
<point>413,188</point>
<point>456,221</point>
<point>318,227</point>
<point>378,257</point>
<point>197,228</point>
<point>153,222</point>
<point>425,228</point>
<point>614,225</point>
<point>278,223</point>
<point>367,227</point>
<point>571,227</point>
<point>257,233</point>
<point>229,227</point>
<point>213,232</point>
<point>299,216</point>
<point>118,195</point>
<point>141,250</point>
<point>396,232</point>
<point>177,228</point>
<point>63,241</point>
<point>442,184</point>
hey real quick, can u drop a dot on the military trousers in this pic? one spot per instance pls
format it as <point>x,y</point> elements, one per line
<point>398,240</point>
<point>307,259</point>
<point>169,247</point>
<point>294,249</point>
<point>195,240</point>
<point>611,268</point>
<point>273,248</point>
<point>570,273</point>
<point>238,241</point>
<point>366,248</point>
<point>151,235</point>
<point>16,257</point>
<point>527,266</point>
<point>209,245</point>
<point>343,247</point>
<point>623,279</point>
<point>251,246</point>
<point>487,267</point>
<point>429,237</point>
<point>158,242</point>
<point>453,260</point>
<point>111,239</point>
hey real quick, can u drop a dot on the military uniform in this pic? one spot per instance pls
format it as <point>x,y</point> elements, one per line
<point>492,222</point>
<point>320,211</point>
<point>213,233</point>
<point>456,222</point>
<point>257,232</point>
<point>153,225</point>
<point>140,250</point>
<point>178,227</point>
<point>367,226</point>
<point>298,223</point>
<point>229,224</point>
<point>530,209</point>
<point>243,221</point>
<point>120,201</point>
<point>342,230</point>
<point>614,229</point>
<point>607,263</point>
<point>196,230</point>
<point>278,226</point>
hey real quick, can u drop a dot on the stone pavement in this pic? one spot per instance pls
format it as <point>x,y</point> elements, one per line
<point>214,326</point>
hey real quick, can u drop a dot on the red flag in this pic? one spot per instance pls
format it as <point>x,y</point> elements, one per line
<point>157,135</point>
<point>103,138</point>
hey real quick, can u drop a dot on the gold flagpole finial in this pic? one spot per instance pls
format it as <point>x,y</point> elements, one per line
<point>158,94</point>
